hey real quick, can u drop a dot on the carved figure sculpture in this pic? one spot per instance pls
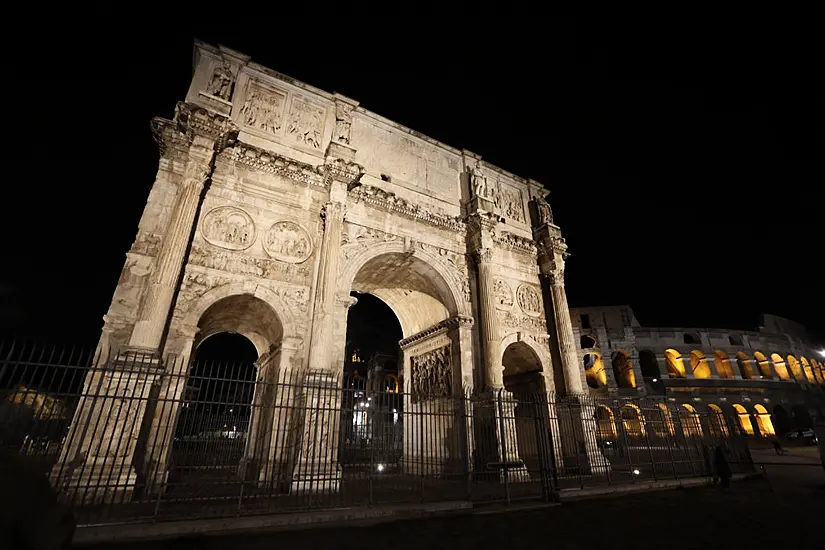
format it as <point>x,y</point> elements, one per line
<point>220,85</point>
<point>544,210</point>
<point>479,182</point>
<point>343,122</point>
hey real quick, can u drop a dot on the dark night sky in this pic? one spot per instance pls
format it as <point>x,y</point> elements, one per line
<point>684,158</point>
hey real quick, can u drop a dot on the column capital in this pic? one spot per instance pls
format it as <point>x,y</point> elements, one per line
<point>342,171</point>
<point>481,230</point>
<point>194,121</point>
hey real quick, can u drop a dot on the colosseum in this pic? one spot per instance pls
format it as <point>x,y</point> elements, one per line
<point>769,380</point>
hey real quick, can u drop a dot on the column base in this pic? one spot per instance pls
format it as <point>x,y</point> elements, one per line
<point>96,483</point>
<point>328,481</point>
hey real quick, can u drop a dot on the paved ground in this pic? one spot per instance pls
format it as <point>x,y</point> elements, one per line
<point>785,513</point>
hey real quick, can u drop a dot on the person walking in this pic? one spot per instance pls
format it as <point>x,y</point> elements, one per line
<point>722,467</point>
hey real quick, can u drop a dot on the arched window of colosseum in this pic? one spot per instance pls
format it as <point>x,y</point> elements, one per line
<point>780,367</point>
<point>809,371</point>
<point>662,421</point>
<point>675,364</point>
<point>796,369</point>
<point>763,420</point>
<point>594,371</point>
<point>722,364</point>
<point>605,425</point>
<point>744,419</point>
<point>735,340</point>
<point>632,421</point>
<point>716,421</point>
<point>689,418</point>
<point>764,365</point>
<point>648,364</point>
<point>699,365</point>
<point>587,342</point>
<point>623,370</point>
<point>691,338</point>
<point>818,374</point>
<point>743,363</point>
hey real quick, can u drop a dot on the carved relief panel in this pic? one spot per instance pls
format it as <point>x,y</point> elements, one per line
<point>305,122</point>
<point>506,200</point>
<point>431,374</point>
<point>228,227</point>
<point>503,294</point>
<point>529,300</point>
<point>263,108</point>
<point>288,242</point>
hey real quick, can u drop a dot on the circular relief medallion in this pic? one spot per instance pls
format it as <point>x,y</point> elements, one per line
<point>503,294</point>
<point>529,300</point>
<point>228,227</point>
<point>288,242</point>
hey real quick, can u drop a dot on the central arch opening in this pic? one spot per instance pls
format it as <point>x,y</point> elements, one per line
<point>396,408</point>
<point>372,408</point>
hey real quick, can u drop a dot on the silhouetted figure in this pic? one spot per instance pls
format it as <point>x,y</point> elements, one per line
<point>777,446</point>
<point>31,518</point>
<point>722,467</point>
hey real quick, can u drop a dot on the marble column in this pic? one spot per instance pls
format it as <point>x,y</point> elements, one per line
<point>489,327</point>
<point>156,304</point>
<point>564,328</point>
<point>320,357</point>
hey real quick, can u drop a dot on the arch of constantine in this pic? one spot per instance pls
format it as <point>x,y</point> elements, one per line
<point>275,206</point>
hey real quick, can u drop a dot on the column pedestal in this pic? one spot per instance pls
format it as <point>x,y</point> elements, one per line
<point>317,469</point>
<point>97,462</point>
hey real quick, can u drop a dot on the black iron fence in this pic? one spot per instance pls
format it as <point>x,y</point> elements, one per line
<point>132,439</point>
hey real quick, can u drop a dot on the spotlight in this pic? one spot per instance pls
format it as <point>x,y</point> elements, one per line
<point>655,380</point>
<point>636,472</point>
<point>822,352</point>
<point>380,467</point>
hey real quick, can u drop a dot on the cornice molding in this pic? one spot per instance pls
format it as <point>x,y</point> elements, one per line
<point>390,202</point>
<point>267,161</point>
<point>437,329</point>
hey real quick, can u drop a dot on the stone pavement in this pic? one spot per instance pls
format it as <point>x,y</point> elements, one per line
<point>752,513</point>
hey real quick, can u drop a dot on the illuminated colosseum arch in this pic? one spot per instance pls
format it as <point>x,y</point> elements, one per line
<point>818,374</point>
<point>809,372</point>
<point>744,419</point>
<point>691,426</point>
<point>664,426</point>
<point>763,421</point>
<point>716,421</point>
<point>675,364</point>
<point>699,365</point>
<point>632,421</point>
<point>623,369</point>
<point>605,425</point>
<point>743,363</point>
<point>722,363</point>
<point>764,365</point>
<point>594,370</point>
<point>796,369</point>
<point>780,367</point>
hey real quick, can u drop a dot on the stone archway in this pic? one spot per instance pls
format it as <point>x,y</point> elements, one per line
<point>257,314</point>
<point>435,360</point>
<point>524,380</point>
